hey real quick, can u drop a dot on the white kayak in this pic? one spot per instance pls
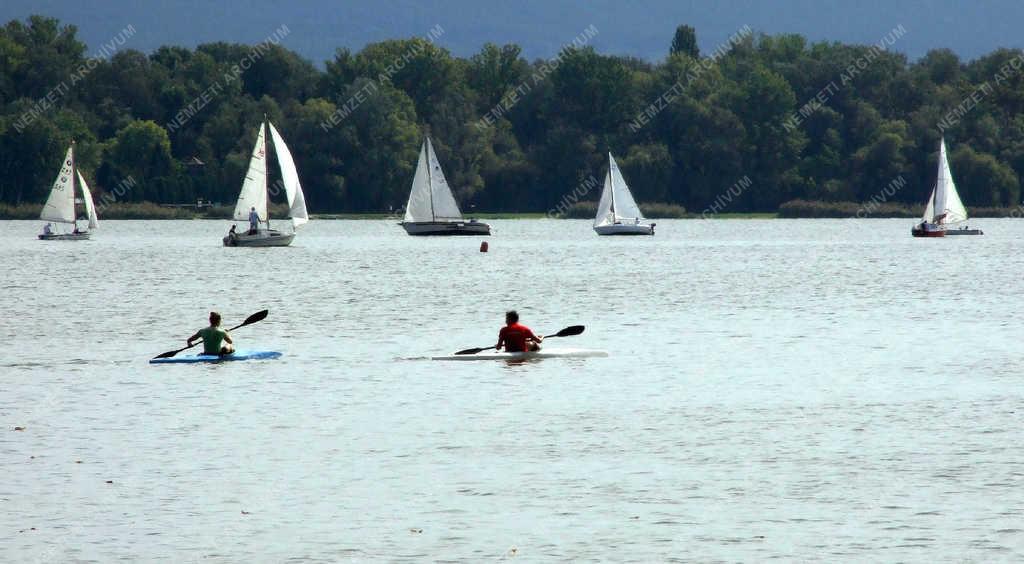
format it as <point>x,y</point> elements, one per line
<point>512,356</point>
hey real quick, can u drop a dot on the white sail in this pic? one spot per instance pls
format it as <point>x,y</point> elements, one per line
<point>418,208</point>
<point>430,198</point>
<point>90,207</point>
<point>444,205</point>
<point>604,206</point>
<point>625,207</point>
<point>948,207</point>
<point>60,206</point>
<point>290,176</point>
<point>254,188</point>
<point>929,210</point>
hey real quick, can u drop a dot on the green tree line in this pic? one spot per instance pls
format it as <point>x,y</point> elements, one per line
<point>513,134</point>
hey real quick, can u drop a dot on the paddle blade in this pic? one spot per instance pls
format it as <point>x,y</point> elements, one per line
<point>570,331</point>
<point>167,354</point>
<point>258,316</point>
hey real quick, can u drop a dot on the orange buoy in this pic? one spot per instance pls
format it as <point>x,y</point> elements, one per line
<point>483,246</point>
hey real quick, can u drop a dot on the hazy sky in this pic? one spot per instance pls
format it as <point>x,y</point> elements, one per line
<point>643,29</point>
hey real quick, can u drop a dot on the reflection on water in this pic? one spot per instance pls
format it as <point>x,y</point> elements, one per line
<point>788,389</point>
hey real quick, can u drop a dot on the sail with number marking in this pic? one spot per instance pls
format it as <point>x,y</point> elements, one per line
<point>60,206</point>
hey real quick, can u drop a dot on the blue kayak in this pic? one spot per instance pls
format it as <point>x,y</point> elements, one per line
<point>237,355</point>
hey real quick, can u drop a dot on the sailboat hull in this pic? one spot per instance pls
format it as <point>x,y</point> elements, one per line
<point>262,238</point>
<point>919,232</point>
<point>446,228</point>
<point>64,236</point>
<point>625,229</point>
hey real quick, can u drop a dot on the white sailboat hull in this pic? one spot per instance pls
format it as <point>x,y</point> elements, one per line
<point>625,229</point>
<point>262,238</point>
<point>471,227</point>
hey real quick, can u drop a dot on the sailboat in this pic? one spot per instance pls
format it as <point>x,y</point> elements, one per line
<point>617,212</point>
<point>60,206</point>
<point>431,209</point>
<point>254,195</point>
<point>944,207</point>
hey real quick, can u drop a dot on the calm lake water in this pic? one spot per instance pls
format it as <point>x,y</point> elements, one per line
<point>809,389</point>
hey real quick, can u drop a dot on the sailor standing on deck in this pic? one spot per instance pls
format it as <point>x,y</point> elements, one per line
<point>254,221</point>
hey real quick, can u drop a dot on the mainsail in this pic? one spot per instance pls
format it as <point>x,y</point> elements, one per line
<point>952,207</point>
<point>444,202</point>
<point>90,207</point>
<point>944,205</point>
<point>616,203</point>
<point>254,188</point>
<point>430,197</point>
<point>290,176</point>
<point>60,206</point>
<point>625,205</point>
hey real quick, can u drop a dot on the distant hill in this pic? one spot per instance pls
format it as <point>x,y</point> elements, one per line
<point>641,29</point>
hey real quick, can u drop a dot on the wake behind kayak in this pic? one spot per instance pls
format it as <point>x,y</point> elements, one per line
<point>237,355</point>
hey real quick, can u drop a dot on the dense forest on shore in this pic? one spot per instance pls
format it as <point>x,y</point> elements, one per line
<point>758,122</point>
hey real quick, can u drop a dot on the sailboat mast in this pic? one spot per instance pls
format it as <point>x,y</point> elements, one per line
<point>430,181</point>
<point>266,172</point>
<point>611,183</point>
<point>74,184</point>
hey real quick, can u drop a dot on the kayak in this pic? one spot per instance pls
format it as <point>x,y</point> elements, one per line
<point>237,355</point>
<point>543,353</point>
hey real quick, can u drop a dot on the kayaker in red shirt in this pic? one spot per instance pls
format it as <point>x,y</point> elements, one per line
<point>516,337</point>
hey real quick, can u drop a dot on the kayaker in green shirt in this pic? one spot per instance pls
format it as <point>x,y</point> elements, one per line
<point>216,341</point>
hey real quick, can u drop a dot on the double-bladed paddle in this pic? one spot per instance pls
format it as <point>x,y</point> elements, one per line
<point>567,332</point>
<point>258,316</point>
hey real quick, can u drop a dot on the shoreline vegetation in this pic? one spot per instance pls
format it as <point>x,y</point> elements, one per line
<point>757,122</point>
<point>794,209</point>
